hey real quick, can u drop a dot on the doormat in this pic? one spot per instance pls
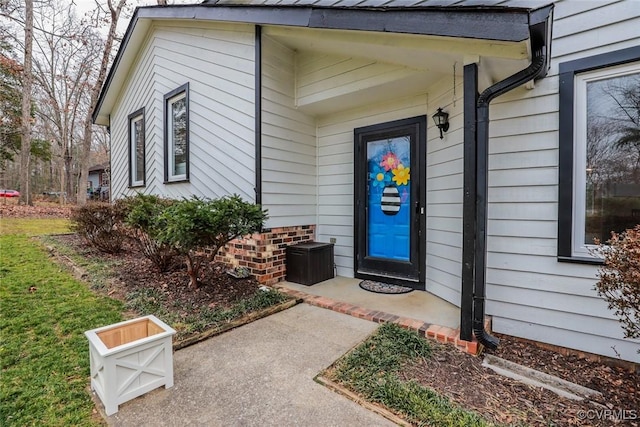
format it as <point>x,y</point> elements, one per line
<point>383,288</point>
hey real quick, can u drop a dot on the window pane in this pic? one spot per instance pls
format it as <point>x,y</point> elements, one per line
<point>179,136</point>
<point>139,141</point>
<point>612,201</point>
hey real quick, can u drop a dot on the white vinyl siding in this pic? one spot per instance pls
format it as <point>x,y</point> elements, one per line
<point>529,293</point>
<point>289,170</point>
<point>444,192</point>
<point>590,28</point>
<point>217,60</point>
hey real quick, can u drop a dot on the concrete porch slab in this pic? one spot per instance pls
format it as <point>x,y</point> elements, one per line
<point>418,305</point>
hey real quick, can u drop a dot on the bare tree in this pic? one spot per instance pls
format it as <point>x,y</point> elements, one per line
<point>63,55</point>
<point>25,148</point>
<point>69,62</point>
<point>114,12</point>
<point>101,149</point>
<point>623,114</point>
<point>67,53</point>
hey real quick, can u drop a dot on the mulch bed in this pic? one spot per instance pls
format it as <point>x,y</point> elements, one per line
<point>133,272</point>
<point>463,379</point>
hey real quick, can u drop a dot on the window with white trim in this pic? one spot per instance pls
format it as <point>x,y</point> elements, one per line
<point>136,149</point>
<point>603,186</point>
<point>177,134</point>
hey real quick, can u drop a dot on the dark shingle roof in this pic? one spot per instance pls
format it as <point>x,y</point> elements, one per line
<point>524,4</point>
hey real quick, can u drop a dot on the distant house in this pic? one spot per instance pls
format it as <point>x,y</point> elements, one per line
<point>98,185</point>
<point>325,113</point>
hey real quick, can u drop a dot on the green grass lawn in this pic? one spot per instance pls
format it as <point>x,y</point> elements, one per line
<point>33,226</point>
<point>43,314</point>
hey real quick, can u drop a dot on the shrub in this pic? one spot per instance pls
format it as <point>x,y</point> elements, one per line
<point>142,220</point>
<point>101,224</point>
<point>192,225</point>
<point>619,279</point>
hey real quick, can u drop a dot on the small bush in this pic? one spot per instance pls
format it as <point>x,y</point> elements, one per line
<point>143,226</point>
<point>100,224</point>
<point>192,225</point>
<point>619,279</point>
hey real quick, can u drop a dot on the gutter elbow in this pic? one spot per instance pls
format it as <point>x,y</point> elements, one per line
<point>484,338</point>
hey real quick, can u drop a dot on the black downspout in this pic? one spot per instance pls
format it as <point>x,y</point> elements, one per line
<point>258,114</point>
<point>535,69</point>
<point>469,200</point>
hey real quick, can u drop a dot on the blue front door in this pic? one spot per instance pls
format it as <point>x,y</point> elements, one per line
<point>389,210</point>
<point>389,198</point>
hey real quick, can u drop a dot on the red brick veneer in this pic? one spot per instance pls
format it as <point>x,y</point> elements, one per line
<point>264,254</point>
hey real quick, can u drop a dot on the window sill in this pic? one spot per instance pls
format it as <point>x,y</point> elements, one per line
<point>137,186</point>
<point>177,181</point>
<point>581,260</point>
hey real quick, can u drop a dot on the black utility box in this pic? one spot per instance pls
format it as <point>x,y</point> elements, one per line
<point>310,262</point>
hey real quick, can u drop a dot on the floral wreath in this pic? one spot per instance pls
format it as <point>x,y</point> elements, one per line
<point>389,170</point>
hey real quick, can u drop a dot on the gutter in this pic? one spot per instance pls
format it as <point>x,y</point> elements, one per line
<point>540,29</point>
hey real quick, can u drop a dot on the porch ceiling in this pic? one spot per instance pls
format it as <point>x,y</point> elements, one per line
<point>426,59</point>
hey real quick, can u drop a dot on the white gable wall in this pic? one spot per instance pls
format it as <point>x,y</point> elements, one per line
<point>217,60</point>
<point>135,94</point>
<point>530,294</point>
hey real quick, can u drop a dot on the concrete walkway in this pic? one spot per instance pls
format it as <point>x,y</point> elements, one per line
<point>260,374</point>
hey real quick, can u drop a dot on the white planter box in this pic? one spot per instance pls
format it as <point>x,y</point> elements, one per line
<point>129,359</point>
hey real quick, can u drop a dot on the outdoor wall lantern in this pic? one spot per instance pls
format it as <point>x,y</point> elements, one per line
<point>442,121</point>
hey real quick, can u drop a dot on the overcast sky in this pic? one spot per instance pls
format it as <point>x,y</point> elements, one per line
<point>84,6</point>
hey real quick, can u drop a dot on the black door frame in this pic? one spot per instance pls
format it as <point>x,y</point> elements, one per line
<point>413,273</point>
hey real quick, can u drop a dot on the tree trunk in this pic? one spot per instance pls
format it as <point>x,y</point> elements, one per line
<point>68,174</point>
<point>193,266</point>
<point>95,93</point>
<point>25,149</point>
